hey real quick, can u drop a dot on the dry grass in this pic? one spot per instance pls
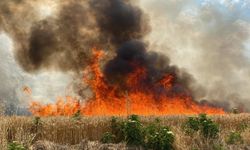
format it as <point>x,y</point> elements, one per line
<point>67,131</point>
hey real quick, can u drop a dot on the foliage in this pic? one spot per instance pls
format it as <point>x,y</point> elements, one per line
<point>234,138</point>
<point>108,138</point>
<point>158,137</point>
<point>206,126</point>
<point>117,129</point>
<point>209,128</point>
<point>133,131</point>
<point>15,146</point>
<point>192,125</point>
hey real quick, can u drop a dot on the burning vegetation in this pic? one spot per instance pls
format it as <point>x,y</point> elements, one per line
<point>137,96</point>
<point>131,79</point>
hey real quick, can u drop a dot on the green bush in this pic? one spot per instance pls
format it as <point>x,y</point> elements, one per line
<point>234,138</point>
<point>206,126</point>
<point>15,146</point>
<point>133,131</point>
<point>153,136</point>
<point>117,129</point>
<point>158,137</point>
<point>108,138</point>
<point>192,125</point>
<point>209,129</point>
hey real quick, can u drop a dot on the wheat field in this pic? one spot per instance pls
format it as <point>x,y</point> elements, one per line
<point>71,134</point>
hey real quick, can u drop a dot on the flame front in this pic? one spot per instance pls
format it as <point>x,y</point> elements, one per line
<point>135,97</point>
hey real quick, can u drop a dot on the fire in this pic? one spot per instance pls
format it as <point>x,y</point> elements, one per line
<point>135,97</point>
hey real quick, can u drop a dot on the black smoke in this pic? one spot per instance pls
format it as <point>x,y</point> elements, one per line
<point>64,42</point>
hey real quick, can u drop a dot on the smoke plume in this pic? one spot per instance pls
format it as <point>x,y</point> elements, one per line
<point>204,42</point>
<point>208,39</point>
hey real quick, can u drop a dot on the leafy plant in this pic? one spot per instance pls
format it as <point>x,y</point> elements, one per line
<point>192,125</point>
<point>15,146</point>
<point>209,129</point>
<point>158,137</point>
<point>133,131</point>
<point>108,138</point>
<point>117,129</point>
<point>234,138</point>
<point>206,126</point>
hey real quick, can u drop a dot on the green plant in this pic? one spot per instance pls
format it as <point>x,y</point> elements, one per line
<point>133,131</point>
<point>206,126</point>
<point>158,137</point>
<point>234,138</point>
<point>154,136</point>
<point>108,138</point>
<point>192,125</point>
<point>117,129</point>
<point>209,128</point>
<point>15,146</point>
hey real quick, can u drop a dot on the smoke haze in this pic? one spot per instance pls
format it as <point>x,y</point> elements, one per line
<point>52,42</point>
<point>210,40</point>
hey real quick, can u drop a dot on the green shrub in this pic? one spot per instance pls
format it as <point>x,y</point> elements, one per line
<point>133,131</point>
<point>117,129</point>
<point>192,125</point>
<point>158,137</point>
<point>206,126</point>
<point>209,129</point>
<point>15,146</point>
<point>108,138</point>
<point>154,136</point>
<point>234,138</point>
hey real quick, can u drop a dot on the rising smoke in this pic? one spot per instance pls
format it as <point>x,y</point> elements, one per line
<point>210,41</point>
<point>205,43</point>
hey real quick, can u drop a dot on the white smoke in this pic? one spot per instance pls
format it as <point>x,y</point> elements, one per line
<point>209,39</point>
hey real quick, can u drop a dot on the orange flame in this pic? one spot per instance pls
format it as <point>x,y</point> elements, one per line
<point>135,99</point>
